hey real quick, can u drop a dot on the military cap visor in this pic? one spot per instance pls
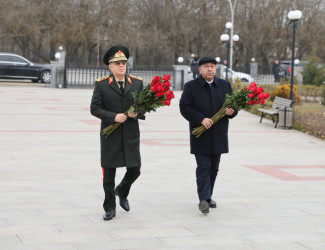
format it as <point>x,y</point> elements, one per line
<point>207,59</point>
<point>115,54</point>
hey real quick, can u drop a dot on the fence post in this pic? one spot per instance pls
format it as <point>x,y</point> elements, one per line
<point>181,72</point>
<point>253,69</point>
<point>54,74</point>
<point>55,65</point>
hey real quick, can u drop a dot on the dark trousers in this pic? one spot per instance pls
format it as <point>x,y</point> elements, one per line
<point>195,74</point>
<point>206,174</point>
<point>123,188</point>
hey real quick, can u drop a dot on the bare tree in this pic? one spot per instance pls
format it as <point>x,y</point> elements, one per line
<point>159,31</point>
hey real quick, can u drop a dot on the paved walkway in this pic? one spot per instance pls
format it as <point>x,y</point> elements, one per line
<point>270,189</point>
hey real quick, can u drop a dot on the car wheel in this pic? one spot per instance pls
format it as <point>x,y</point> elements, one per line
<point>45,77</point>
<point>244,80</point>
<point>35,80</point>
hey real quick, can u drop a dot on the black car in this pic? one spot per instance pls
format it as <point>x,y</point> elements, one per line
<point>284,68</point>
<point>13,66</point>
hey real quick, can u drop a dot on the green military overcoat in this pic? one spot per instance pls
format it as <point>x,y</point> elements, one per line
<point>122,147</point>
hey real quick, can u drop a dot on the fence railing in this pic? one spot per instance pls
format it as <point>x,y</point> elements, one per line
<point>85,77</point>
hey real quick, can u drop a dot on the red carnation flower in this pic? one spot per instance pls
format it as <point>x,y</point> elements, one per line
<point>159,93</point>
<point>253,84</point>
<point>167,85</point>
<point>261,96</point>
<point>169,95</point>
<point>153,88</point>
<point>251,102</point>
<point>156,79</point>
<point>166,78</point>
<point>167,102</point>
<point>254,89</point>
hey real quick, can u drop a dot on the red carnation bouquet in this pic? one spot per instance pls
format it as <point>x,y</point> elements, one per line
<point>244,98</point>
<point>155,95</point>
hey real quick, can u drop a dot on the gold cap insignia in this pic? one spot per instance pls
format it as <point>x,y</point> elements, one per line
<point>119,56</point>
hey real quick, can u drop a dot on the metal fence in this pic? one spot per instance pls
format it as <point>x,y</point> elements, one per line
<point>261,74</point>
<point>72,76</point>
<point>85,77</point>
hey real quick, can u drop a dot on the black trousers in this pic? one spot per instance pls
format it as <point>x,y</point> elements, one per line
<point>206,174</point>
<point>196,74</point>
<point>123,188</point>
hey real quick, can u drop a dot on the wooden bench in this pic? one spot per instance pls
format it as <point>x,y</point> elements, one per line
<point>277,104</point>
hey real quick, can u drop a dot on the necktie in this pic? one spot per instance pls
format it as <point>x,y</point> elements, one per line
<point>121,86</point>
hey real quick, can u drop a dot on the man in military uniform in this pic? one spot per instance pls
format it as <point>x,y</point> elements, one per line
<point>112,97</point>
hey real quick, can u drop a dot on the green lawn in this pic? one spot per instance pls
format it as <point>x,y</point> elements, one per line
<point>316,107</point>
<point>308,117</point>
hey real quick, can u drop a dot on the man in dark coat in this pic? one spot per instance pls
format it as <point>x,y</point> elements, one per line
<point>112,97</point>
<point>195,67</point>
<point>201,99</point>
<point>276,71</point>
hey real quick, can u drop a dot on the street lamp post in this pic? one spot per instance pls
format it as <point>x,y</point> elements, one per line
<point>294,16</point>
<point>227,38</point>
<point>232,5</point>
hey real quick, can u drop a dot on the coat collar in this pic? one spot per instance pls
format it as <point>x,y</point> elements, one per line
<point>114,85</point>
<point>128,84</point>
<point>203,82</point>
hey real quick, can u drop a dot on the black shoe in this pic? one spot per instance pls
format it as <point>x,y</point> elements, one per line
<point>204,207</point>
<point>109,215</point>
<point>124,203</point>
<point>212,204</point>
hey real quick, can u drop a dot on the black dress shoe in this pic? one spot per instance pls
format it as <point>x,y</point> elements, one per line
<point>124,203</point>
<point>204,207</point>
<point>212,204</point>
<point>109,215</point>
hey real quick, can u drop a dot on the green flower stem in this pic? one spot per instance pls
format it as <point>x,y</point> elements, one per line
<point>111,128</point>
<point>198,131</point>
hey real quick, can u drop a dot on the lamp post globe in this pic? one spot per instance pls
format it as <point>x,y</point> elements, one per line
<point>180,59</point>
<point>235,38</point>
<point>57,56</point>
<point>224,37</point>
<point>228,25</point>
<point>295,15</point>
<point>218,59</point>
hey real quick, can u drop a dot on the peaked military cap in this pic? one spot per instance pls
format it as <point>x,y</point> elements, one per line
<point>207,59</point>
<point>116,53</point>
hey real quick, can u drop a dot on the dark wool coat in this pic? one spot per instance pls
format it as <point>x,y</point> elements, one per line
<point>199,101</point>
<point>122,147</point>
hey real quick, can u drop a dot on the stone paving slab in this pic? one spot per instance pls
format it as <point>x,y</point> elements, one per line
<point>270,189</point>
